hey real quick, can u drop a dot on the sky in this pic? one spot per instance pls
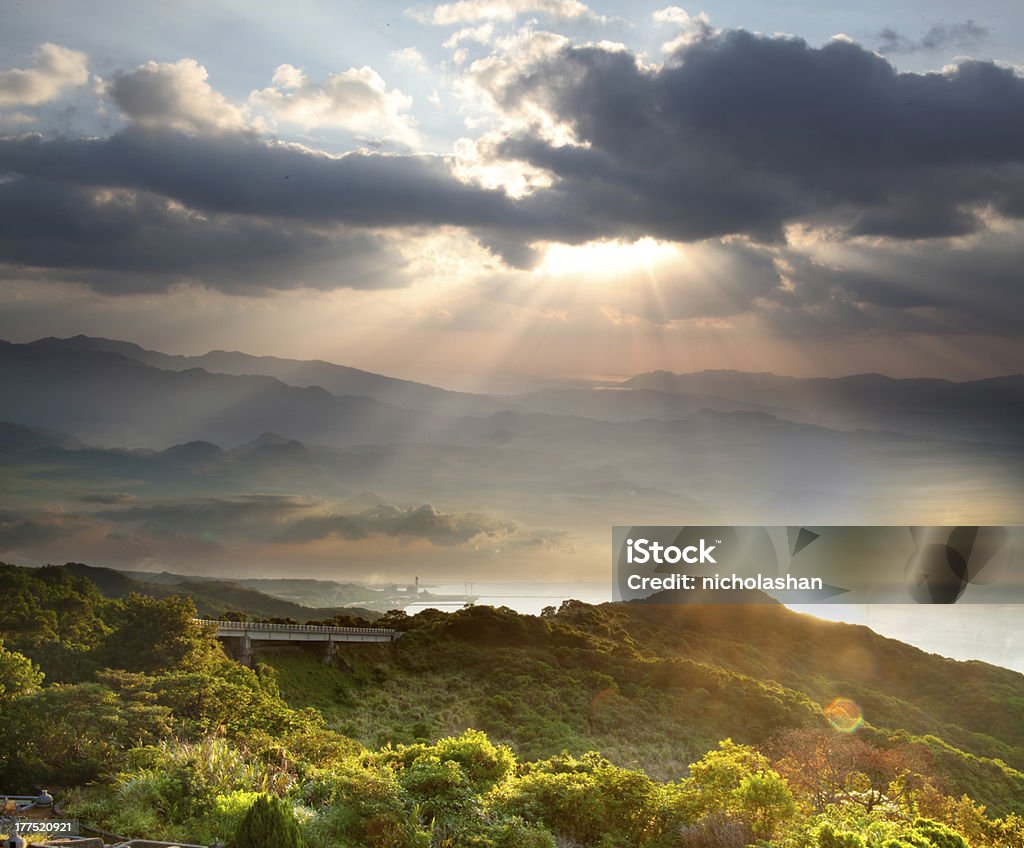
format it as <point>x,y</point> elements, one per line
<point>485,193</point>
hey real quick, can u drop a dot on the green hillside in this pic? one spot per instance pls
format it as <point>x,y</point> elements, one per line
<point>212,597</point>
<point>654,687</point>
<point>615,726</point>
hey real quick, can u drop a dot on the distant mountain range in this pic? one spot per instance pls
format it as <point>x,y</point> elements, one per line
<point>336,379</point>
<point>215,596</point>
<point>93,375</point>
<point>978,410</point>
<point>111,399</point>
<point>108,455</point>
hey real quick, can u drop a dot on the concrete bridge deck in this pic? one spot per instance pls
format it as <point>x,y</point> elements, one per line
<point>241,635</point>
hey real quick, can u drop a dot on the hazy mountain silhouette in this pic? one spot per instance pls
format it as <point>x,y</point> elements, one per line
<point>977,410</point>
<point>191,463</point>
<point>337,379</point>
<point>110,399</point>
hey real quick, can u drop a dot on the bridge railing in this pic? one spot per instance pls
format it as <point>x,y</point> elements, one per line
<point>297,628</point>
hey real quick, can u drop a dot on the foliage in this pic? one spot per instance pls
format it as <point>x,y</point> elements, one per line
<point>831,768</point>
<point>179,742</point>
<point>73,733</point>
<point>362,804</point>
<point>268,822</point>
<point>655,686</point>
<point>735,783</point>
<point>587,800</point>
<point>153,634</point>
<point>18,674</point>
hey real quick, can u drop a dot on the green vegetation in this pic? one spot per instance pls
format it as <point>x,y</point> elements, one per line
<point>213,597</point>
<point>654,687</point>
<point>268,821</point>
<point>152,731</point>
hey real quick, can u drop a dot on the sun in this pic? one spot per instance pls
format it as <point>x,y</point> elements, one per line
<point>606,258</point>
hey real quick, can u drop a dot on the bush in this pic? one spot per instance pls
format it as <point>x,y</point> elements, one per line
<point>362,806</point>
<point>269,822</point>
<point>717,831</point>
<point>829,837</point>
<point>585,800</point>
<point>515,833</point>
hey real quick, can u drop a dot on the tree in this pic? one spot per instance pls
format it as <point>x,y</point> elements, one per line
<point>72,733</point>
<point>18,674</point>
<point>831,768</point>
<point>767,801</point>
<point>716,778</point>
<point>156,634</point>
<point>269,823</point>
<point>737,781</point>
<point>586,800</point>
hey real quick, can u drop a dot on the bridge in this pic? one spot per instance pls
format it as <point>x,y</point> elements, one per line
<point>240,636</point>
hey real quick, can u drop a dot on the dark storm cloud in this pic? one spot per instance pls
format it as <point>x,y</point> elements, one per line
<point>959,36</point>
<point>245,515</point>
<point>142,210</point>
<point>129,241</point>
<point>18,530</point>
<point>948,288</point>
<point>239,174</point>
<point>737,134</point>
<point>741,133</point>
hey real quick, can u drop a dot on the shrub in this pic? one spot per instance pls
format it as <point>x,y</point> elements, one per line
<point>269,822</point>
<point>829,837</point>
<point>717,830</point>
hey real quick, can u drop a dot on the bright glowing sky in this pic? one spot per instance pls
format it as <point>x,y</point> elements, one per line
<point>483,192</point>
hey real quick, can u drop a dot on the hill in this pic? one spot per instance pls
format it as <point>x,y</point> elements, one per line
<point>988,410</point>
<point>109,399</point>
<point>976,410</point>
<point>212,597</point>
<point>653,687</point>
<point>130,710</point>
<point>337,379</point>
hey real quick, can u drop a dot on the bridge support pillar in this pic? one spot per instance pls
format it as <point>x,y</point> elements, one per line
<point>329,649</point>
<point>245,651</point>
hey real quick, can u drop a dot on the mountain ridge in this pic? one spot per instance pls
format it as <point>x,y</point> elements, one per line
<point>989,409</point>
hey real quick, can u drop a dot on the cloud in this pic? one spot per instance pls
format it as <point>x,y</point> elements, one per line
<point>690,27</point>
<point>736,136</point>
<point>284,519</point>
<point>15,121</point>
<point>470,11</point>
<point>357,100</point>
<point>239,517</point>
<point>960,36</point>
<point>53,70</point>
<point>239,174</point>
<point>743,134</point>
<point>19,530</point>
<point>173,95</point>
<point>422,522</point>
<point>411,58</point>
<point>106,498</point>
<point>126,240</point>
<point>480,34</point>
<point>955,286</point>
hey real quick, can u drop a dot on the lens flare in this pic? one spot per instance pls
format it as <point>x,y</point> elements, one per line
<point>844,715</point>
